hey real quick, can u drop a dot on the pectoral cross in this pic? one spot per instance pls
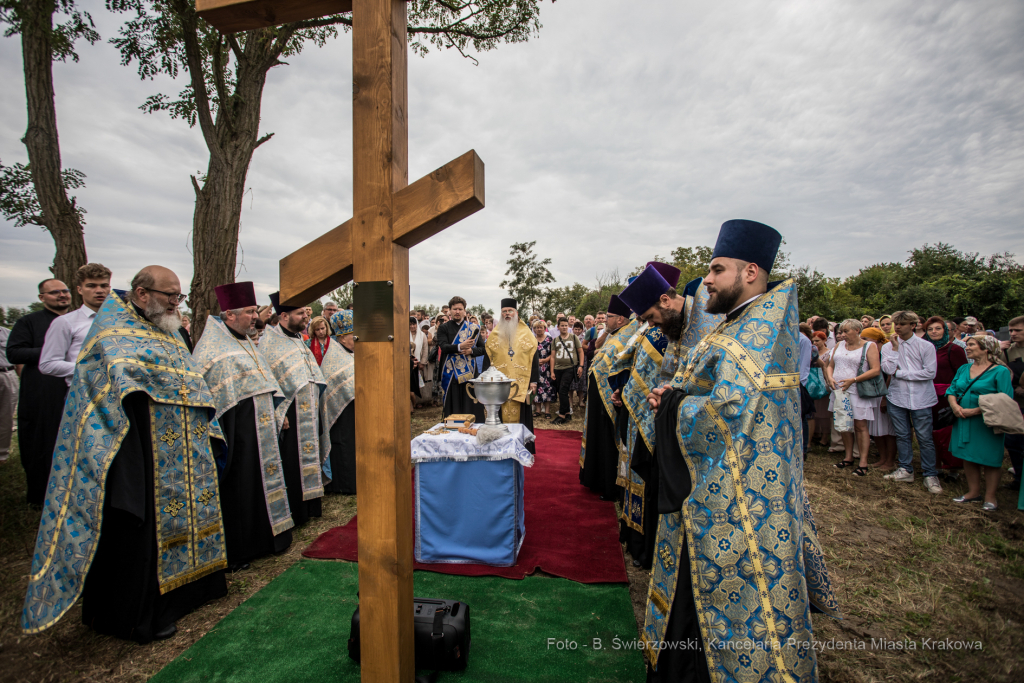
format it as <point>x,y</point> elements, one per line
<point>390,216</point>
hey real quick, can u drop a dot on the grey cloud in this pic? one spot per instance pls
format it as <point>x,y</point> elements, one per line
<point>860,130</point>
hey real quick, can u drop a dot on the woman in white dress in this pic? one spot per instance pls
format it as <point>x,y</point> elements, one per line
<point>851,412</point>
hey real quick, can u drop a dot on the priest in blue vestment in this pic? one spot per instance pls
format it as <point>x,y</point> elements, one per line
<point>461,344</point>
<point>738,568</point>
<point>132,518</point>
<point>654,363</point>
<point>609,369</point>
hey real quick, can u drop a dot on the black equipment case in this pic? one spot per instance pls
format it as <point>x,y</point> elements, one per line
<point>442,634</point>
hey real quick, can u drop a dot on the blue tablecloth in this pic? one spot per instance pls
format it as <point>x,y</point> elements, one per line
<point>469,498</point>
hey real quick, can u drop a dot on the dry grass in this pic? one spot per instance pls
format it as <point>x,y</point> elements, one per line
<point>905,565</point>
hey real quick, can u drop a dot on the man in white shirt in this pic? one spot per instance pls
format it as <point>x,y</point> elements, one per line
<point>910,361</point>
<point>67,333</point>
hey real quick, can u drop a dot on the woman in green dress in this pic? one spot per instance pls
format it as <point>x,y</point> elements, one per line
<point>977,445</point>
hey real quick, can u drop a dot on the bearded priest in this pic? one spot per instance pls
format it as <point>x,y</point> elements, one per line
<point>512,349</point>
<point>295,369</point>
<point>132,518</point>
<point>738,569</point>
<point>254,501</point>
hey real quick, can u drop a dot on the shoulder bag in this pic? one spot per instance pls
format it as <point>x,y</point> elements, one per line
<point>870,388</point>
<point>946,417</point>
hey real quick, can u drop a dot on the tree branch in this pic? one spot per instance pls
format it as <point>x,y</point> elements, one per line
<point>195,186</point>
<point>262,140</point>
<point>218,79</point>
<point>194,60</point>
<point>236,48</point>
<point>320,23</point>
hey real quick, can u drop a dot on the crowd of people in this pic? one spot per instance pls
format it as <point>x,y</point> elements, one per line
<point>158,464</point>
<point>903,377</point>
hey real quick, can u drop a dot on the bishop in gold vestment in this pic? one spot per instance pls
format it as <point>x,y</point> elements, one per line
<point>512,349</point>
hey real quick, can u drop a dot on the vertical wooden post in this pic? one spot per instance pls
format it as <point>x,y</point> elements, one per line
<point>380,146</point>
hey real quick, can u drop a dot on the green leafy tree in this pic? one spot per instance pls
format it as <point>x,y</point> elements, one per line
<point>563,300</point>
<point>225,79</point>
<point>526,276</point>
<point>37,193</point>
<point>342,296</point>
<point>938,279</point>
<point>430,309</point>
<point>480,310</point>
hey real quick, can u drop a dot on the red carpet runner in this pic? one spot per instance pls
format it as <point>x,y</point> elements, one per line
<point>570,532</point>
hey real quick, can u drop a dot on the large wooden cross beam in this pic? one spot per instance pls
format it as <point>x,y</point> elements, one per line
<point>372,248</point>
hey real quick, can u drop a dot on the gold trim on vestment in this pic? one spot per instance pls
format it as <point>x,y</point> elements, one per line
<point>753,550</point>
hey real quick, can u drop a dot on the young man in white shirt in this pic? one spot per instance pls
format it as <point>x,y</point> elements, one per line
<point>67,333</point>
<point>910,361</point>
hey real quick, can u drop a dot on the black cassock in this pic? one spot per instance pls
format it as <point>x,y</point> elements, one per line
<point>457,400</point>
<point>525,409</point>
<point>40,402</point>
<point>121,596</point>
<point>247,529</point>
<point>343,450</point>
<point>291,467</point>
<point>676,663</point>
<point>602,456</point>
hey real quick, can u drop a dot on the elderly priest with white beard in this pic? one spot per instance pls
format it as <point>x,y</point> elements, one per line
<point>512,349</point>
<point>254,502</point>
<point>132,518</point>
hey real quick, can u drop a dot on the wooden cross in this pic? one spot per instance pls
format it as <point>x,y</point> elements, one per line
<point>373,248</point>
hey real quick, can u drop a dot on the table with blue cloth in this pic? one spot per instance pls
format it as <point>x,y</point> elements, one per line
<point>469,496</point>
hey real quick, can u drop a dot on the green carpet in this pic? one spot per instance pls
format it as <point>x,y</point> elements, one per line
<point>297,628</point>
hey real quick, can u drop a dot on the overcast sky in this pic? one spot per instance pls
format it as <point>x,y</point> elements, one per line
<point>859,130</point>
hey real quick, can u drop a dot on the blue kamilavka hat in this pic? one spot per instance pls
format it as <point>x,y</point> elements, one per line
<point>645,291</point>
<point>748,241</point>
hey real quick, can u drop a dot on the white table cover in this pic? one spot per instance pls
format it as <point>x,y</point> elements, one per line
<point>456,447</point>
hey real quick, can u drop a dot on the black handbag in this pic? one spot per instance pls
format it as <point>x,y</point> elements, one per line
<point>945,417</point>
<point>870,388</point>
<point>441,634</point>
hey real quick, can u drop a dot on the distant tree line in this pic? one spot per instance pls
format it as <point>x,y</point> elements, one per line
<point>936,279</point>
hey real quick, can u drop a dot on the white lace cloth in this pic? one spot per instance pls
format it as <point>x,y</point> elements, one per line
<point>464,447</point>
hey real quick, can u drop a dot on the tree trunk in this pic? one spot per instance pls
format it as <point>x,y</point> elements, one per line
<point>58,212</point>
<point>215,223</point>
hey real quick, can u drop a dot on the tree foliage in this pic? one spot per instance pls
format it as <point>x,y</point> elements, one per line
<point>19,201</point>
<point>342,296</point>
<point>430,309</point>
<point>563,300</point>
<point>480,310</point>
<point>526,276</point>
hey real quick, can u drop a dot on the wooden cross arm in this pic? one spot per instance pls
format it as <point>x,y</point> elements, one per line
<point>231,16</point>
<point>423,209</point>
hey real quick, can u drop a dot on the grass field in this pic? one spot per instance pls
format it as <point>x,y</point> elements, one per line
<point>909,569</point>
